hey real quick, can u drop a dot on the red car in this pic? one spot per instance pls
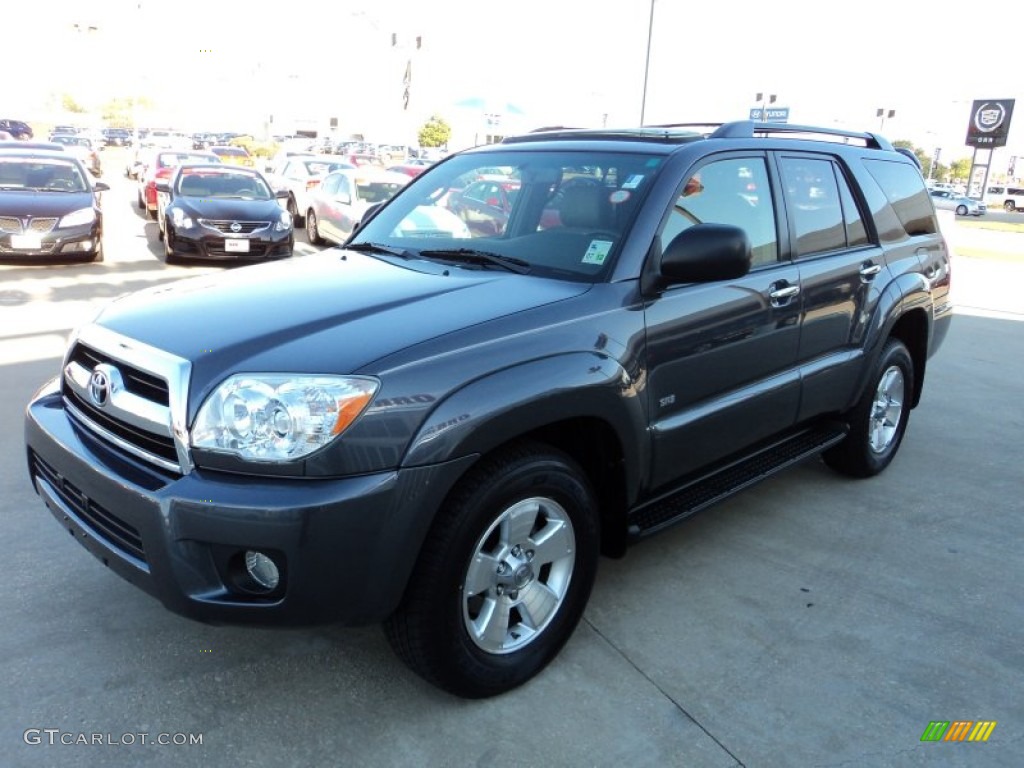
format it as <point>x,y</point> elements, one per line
<point>408,170</point>
<point>160,168</point>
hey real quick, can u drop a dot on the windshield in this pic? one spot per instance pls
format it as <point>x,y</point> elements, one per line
<point>165,159</point>
<point>562,213</point>
<point>377,191</point>
<point>40,175</point>
<point>322,167</point>
<point>207,184</point>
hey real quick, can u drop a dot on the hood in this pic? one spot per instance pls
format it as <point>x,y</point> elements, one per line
<point>25,203</point>
<point>334,312</point>
<point>228,208</point>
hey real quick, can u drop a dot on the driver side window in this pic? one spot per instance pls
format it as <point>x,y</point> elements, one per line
<point>733,191</point>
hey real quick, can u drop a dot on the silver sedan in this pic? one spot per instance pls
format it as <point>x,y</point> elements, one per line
<point>953,201</point>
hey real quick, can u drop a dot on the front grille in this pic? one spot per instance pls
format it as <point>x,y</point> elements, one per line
<point>101,521</point>
<point>42,225</point>
<point>129,395</point>
<point>137,381</point>
<point>157,445</point>
<point>215,247</point>
<point>43,248</point>
<point>10,224</point>
<point>224,225</point>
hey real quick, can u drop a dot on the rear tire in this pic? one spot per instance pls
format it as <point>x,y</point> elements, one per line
<point>293,209</point>
<point>503,576</point>
<point>1009,207</point>
<point>879,420</point>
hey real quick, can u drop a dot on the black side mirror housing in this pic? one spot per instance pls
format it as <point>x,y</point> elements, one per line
<point>705,253</point>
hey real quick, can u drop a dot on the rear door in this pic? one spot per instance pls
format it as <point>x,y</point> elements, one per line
<point>840,274</point>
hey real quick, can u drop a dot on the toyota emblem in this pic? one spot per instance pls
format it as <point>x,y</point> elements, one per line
<point>236,227</point>
<point>104,381</point>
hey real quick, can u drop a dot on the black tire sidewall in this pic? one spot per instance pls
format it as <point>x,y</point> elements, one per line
<point>854,455</point>
<point>457,663</point>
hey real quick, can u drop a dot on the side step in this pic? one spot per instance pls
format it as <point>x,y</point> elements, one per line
<point>732,478</point>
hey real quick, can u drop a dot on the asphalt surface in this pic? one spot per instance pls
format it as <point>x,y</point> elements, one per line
<point>811,621</point>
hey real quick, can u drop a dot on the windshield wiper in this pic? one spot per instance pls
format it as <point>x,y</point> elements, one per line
<point>402,253</point>
<point>473,256</point>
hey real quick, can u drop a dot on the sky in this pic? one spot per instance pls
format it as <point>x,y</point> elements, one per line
<point>536,62</point>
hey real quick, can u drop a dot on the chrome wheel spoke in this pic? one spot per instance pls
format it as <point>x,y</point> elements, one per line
<point>537,604</point>
<point>490,628</point>
<point>887,410</point>
<point>552,543</point>
<point>481,576</point>
<point>518,522</point>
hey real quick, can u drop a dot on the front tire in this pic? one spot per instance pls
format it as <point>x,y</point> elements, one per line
<point>312,232</point>
<point>503,576</point>
<point>293,209</point>
<point>879,420</point>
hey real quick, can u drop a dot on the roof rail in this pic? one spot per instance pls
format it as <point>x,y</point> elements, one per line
<point>747,129</point>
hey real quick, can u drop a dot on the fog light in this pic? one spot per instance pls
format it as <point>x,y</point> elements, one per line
<point>262,570</point>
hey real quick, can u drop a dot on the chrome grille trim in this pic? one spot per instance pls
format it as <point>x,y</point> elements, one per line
<point>134,410</point>
<point>224,225</point>
<point>120,442</point>
<point>10,224</point>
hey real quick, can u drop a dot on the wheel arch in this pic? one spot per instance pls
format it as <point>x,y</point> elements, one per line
<point>581,404</point>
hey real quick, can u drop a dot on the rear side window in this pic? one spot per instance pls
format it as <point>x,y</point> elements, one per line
<point>904,189</point>
<point>824,213</point>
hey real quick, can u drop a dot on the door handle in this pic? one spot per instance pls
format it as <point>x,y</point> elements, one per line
<point>783,292</point>
<point>869,270</point>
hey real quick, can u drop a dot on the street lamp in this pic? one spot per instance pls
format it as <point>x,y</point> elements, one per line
<point>764,99</point>
<point>884,113</point>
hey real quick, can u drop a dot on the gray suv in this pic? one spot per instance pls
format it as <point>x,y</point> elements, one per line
<point>442,424</point>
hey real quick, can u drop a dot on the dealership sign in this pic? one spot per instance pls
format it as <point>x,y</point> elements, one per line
<point>990,123</point>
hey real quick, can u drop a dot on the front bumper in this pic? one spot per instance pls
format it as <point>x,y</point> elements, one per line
<point>200,243</point>
<point>345,547</point>
<point>77,241</point>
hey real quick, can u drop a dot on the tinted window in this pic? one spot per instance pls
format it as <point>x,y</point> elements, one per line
<point>904,189</point>
<point>733,191</point>
<point>813,198</point>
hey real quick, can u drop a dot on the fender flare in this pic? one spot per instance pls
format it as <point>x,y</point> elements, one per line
<point>535,394</point>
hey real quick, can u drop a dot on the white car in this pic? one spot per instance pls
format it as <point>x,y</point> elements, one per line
<point>300,175</point>
<point>948,200</point>
<point>336,207</point>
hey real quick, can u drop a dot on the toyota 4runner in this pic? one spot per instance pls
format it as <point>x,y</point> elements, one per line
<point>442,424</point>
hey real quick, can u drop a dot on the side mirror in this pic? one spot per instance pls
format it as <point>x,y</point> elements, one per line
<point>163,186</point>
<point>281,194</point>
<point>100,186</point>
<point>706,253</point>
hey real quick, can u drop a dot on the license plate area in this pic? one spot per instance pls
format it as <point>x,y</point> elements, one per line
<point>28,242</point>
<point>235,245</point>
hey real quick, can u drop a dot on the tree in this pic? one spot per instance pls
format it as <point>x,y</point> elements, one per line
<point>960,169</point>
<point>435,132</point>
<point>120,113</point>
<point>69,104</point>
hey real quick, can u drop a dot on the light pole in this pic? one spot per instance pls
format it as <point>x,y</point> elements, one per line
<point>647,64</point>
<point>882,114</point>
<point>764,99</point>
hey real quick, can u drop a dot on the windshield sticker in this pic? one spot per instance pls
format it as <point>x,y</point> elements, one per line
<point>619,196</point>
<point>598,251</point>
<point>633,181</point>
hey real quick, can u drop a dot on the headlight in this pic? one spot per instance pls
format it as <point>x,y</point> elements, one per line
<point>284,222</point>
<point>79,217</point>
<point>180,219</point>
<point>279,417</point>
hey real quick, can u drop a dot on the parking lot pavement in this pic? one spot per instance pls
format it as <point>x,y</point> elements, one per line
<point>810,621</point>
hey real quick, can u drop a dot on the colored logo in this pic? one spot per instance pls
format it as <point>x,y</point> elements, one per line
<point>958,730</point>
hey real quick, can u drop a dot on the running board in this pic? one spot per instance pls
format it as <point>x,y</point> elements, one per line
<point>732,478</point>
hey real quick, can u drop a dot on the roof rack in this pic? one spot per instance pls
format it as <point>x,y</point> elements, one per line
<point>747,129</point>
